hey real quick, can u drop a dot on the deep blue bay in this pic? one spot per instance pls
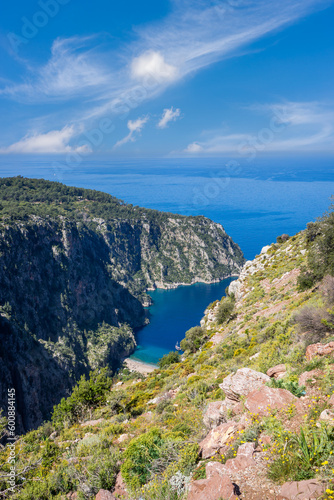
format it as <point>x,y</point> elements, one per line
<point>255,202</point>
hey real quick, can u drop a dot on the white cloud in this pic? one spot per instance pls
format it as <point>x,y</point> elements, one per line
<point>135,127</point>
<point>288,127</point>
<point>98,81</point>
<point>168,115</point>
<point>194,147</point>
<point>151,64</point>
<point>55,141</point>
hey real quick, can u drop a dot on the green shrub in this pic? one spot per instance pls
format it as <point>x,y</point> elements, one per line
<point>225,310</point>
<point>169,359</point>
<point>194,339</point>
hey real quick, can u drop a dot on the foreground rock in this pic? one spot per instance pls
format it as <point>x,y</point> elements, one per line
<point>104,495</point>
<point>302,490</point>
<point>310,377</point>
<point>215,487</point>
<point>243,382</point>
<point>277,371</point>
<point>120,490</point>
<point>214,415</point>
<point>218,438</point>
<point>319,350</point>
<point>262,401</point>
<point>243,460</point>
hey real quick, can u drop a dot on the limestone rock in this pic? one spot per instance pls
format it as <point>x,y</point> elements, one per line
<point>213,488</point>
<point>277,371</point>
<point>319,350</point>
<point>218,438</point>
<point>302,490</point>
<point>327,416</point>
<point>104,495</point>
<point>214,415</point>
<point>309,377</point>
<point>243,382</point>
<point>263,400</point>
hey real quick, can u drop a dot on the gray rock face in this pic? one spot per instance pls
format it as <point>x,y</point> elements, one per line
<point>242,383</point>
<point>72,290</point>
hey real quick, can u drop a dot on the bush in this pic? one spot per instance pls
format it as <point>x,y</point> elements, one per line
<point>147,454</point>
<point>282,238</point>
<point>225,310</point>
<point>314,320</point>
<point>195,338</point>
<point>86,395</point>
<point>169,359</point>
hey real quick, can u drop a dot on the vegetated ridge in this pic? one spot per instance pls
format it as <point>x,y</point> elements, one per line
<point>246,412</point>
<point>74,267</point>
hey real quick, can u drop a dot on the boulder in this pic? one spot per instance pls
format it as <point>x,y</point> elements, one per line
<point>92,423</point>
<point>265,399</point>
<point>120,490</point>
<point>302,490</point>
<point>327,416</point>
<point>277,371</point>
<point>243,460</point>
<point>214,415</point>
<point>241,383</point>
<point>319,350</point>
<point>310,377</point>
<point>213,488</point>
<point>104,495</point>
<point>218,438</point>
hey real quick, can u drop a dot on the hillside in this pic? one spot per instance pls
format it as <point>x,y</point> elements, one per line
<point>74,268</point>
<point>247,412</point>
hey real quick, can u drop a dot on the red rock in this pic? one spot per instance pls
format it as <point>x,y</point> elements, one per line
<point>213,488</point>
<point>120,488</point>
<point>243,460</point>
<point>309,377</point>
<point>263,400</point>
<point>302,490</point>
<point>217,438</point>
<point>277,371</point>
<point>104,495</point>
<point>319,350</point>
<point>241,383</point>
<point>214,415</point>
<point>331,400</point>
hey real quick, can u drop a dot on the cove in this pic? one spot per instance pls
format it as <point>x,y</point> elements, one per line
<point>173,312</point>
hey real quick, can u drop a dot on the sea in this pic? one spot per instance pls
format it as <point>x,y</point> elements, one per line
<point>255,201</point>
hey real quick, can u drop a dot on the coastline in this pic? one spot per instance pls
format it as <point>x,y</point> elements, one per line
<point>139,366</point>
<point>170,286</point>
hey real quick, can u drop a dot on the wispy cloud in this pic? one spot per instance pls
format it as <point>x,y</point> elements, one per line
<point>291,126</point>
<point>169,115</point>
<point>55,141</point>
<point>194,35</point>
<point>135,128</point>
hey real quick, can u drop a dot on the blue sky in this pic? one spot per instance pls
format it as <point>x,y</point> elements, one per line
<point>168,78</point>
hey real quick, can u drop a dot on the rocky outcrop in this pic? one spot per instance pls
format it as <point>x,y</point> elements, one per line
<point>319,350</point>
<point>277,371</point>
<point>218,439</point>
<point>215,487</point>
<point>241,383</point>
<point>310,489</point>
<point>104,495</point>
<point>264,400</point>
<point>214,414</point>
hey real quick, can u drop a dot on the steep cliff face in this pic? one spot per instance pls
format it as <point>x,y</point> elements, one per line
<point>72,283</point>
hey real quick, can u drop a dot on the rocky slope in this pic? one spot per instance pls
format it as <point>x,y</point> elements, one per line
<point>247,412</point>
<point>74,267</point>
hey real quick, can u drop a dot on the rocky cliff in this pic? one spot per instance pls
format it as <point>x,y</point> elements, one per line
<point>74,267</point>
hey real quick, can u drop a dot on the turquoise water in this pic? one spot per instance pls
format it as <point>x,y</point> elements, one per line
<point>254,201</point>
<point>173,312</point>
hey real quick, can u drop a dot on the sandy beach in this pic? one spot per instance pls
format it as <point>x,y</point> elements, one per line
<point>139,366</point>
